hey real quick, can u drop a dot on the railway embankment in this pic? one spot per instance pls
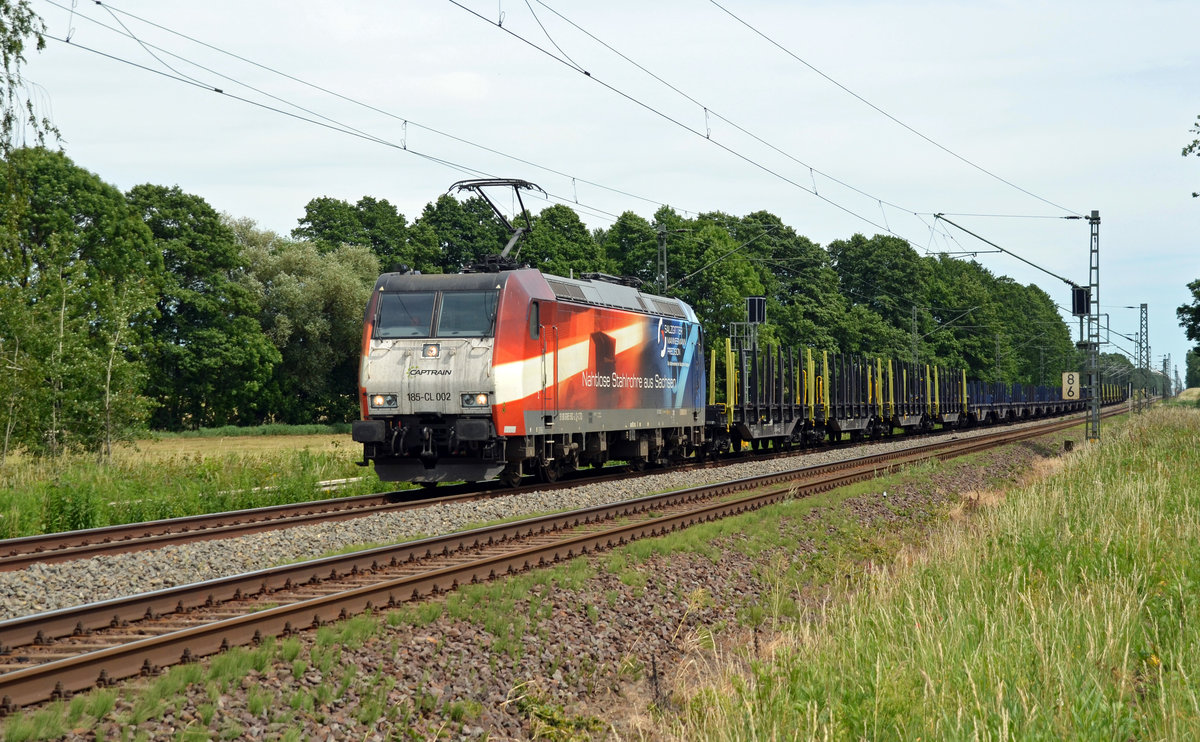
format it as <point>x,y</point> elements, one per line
<point>646,639</point>
<point>1068,609</point>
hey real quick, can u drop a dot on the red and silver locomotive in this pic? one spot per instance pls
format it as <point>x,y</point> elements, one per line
<point>480,375</point>
<point>475,376</point>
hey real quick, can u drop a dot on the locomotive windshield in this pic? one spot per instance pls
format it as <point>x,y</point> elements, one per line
<point>459,314</point>
<point>405,315</point>
<point>467,314</point>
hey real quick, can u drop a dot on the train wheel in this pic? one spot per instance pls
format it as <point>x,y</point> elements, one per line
<point>428,485</point>
<point>510,477</point>
<point>548,472</point>
<point>637,465</point>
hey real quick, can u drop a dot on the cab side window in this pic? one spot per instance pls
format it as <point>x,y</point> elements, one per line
<point>535,320</point>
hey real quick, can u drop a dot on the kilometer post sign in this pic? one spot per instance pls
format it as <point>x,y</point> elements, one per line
<point>1070,385</point>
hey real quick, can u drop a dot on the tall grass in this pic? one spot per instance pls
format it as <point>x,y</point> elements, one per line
<point>235,431</point>
<point>44,495</point>
<point>1069,611</point>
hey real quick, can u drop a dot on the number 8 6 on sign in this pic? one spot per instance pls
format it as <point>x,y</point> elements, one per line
<point>1070,385</point>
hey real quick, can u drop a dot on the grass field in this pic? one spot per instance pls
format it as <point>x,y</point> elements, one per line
<point>1189,395</point>
<point>1070,610</point>
<point>172,476</point>
<point>154,449</point>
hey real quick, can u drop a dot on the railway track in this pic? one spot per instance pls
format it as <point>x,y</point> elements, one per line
<point>20,553</point>
<point>52,655</point>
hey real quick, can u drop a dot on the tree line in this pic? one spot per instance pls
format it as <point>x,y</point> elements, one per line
<point>148,309</point>
<point>1189,314</point>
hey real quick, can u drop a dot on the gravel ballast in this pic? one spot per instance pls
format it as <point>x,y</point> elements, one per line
<point>605,658</point>
<point>598,659</point>
<point>47,587</point>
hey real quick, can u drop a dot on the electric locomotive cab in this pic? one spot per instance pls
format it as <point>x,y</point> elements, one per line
<point>425,379</point>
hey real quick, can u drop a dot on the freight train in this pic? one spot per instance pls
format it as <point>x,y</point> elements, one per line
<point>503,372</point>
<point>479,376</point>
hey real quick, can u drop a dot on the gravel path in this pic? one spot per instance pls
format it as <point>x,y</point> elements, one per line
<point>47,587</point>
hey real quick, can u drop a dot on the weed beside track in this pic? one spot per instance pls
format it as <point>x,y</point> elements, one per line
<point>593,645</point>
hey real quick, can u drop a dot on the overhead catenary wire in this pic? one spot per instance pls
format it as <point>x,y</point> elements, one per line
<point>1001,216</point>
<point>682,125</point>
<point>345,128</point>
<point>709,111</point>
<point>551,197</point>
<point>858,97</point>
<point>1067,281</point>
<point>320,119</point>
<point>151,48</point>
<point>406,121</point>
<point>327,122</point>
<point>460,168</point>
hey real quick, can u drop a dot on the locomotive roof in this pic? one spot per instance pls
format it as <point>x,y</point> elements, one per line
<point>607,294</point>
<point>441,281</point>
<point>578,290</point>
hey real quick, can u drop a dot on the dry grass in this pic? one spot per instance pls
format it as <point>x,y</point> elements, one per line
<point>1190,395</point>
<point>1066,610</point>
<point>152,450</point>
<point>168,448</point>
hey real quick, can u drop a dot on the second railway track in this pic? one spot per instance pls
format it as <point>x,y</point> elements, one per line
<point>20,553</point>
<point>52,655</point>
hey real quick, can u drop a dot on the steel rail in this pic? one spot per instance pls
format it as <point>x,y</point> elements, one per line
<point>60,677</point>
<point>23,552</point>
<point>43,627</point>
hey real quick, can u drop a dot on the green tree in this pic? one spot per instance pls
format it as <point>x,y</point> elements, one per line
<point>1192,370</point>
<point>19,368</point>
<point>719,277</point>
<point>882,273</point>
<point>19,25</point>
<point>329,222</point>
<point>1115,368</point>
<point>799,282</point>
<point>959,326</point>
<point>80,278</point>
<point>207,355</point>
<point>311,304</point>
<point>1194,147</point>
<point>374,223</point>
<point>630,243</point>
<point>1189,314</point>
<point>465,231</point>
<point>884,276</point>
<point>560,244</point>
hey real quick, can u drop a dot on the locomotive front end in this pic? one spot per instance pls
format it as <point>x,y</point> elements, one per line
<point>425,380</point>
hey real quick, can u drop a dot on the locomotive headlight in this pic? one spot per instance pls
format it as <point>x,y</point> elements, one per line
<point>383,400</point>
<point>475,400</point>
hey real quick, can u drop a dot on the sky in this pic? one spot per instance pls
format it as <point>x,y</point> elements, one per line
<point>840,117</point>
